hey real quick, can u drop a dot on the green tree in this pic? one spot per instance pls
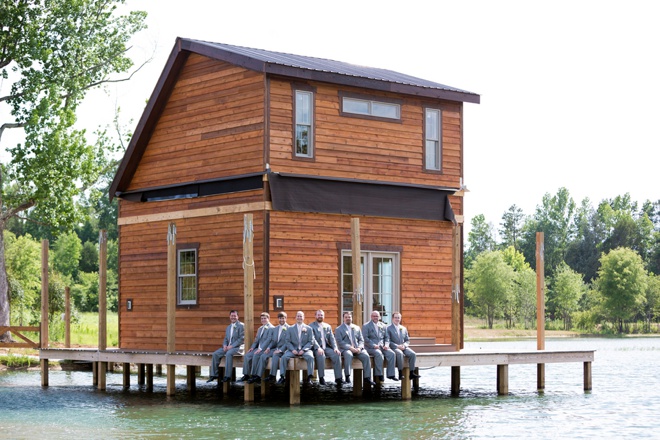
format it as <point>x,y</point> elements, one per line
<point>488,284</point>
<point>51,54</point>
<point>23,258</point>
<point>66,254</point>
<point>652,300</point>
<point>480,238</point>
<point>511,226</point>
<point>567,288</point>
<point>89,258</point>
<point>524,292</point>
<point>622,280</point>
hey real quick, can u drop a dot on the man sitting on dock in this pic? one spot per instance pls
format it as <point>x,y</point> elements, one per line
<point>232,345</point>
<point>351,343</point>
<point>261,342</point>
<point>276,349</point>
<point>377,344</point>
<point>399,342</point>
<point>327,347</point>
<point>299,343</point>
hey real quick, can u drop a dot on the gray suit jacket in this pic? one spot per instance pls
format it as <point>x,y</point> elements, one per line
<point>306,341</point>
<point>238,338</point>
<point>263,337</point>
<point>330,340</point>
<point>281,342</point>
<point>375,335</point>
<point>396,338</point>
<point>343,336</point>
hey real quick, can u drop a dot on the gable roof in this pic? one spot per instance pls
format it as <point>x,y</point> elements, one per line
<point>272,63</point>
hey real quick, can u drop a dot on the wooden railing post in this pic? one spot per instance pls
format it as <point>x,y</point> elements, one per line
<point>44,310</point>
<point>540,307</point>
<point>248,292</point>
<point>171,304</point>
<point>67,317</point>
<point>356,253</point>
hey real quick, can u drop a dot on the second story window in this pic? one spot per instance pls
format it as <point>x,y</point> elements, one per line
<point>372,108</point>
<point>433,140</point>
<point>304,145</point>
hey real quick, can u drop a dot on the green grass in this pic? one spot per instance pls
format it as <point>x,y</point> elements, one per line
<point>17,361</point>
<point>86,330</point>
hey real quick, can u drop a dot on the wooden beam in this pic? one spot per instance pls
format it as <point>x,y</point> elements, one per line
<point>406,389</point>
<point>358,295</point>
<point>294,386</point>
<point>171,380</point>
<point>126,373</point>
<point>502,380</point>
<point>191,375</point>
<point>540,306</point>
<point>248,292</point>
<point>150,376</point>
<point>103,297</point>
<point>101,370</point>
<point>587,376</point>
<point>194,213</point>
<point>456,330</point>
<point>67,317</point>
<point>455,381</point>
<point>171,288</point>
<point>44,309</point>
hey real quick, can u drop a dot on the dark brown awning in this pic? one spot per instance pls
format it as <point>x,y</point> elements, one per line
<point>359,197</point>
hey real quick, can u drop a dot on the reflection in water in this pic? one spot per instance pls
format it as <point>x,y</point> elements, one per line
<point>624,402</point>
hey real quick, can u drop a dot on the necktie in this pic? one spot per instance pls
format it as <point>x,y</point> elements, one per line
<point>322,337</point>
<point>401,334</point>
<point>353,344</point>
<point>279,334</point>
<point>259,333</point>
<point>299,332</point>
<point>231,333</point>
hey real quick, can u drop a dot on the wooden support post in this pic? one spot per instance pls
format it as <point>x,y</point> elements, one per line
<point>103,298</point>
<point>406,389</point>
<point>358,381</point>
<point>44,310</point>
<point>126,373</point>
<point>503,380</point>
<point>67,317</point>
<point>140,371</point>
<point>540,306</point>
<point>356,254</point>
<point>171,303</point>
<point>191,383</point>
<point>159,369</point>
<point>456,330</point>
<point>150,377</point>
<point>415,382</point>
<point>455,380</point>
<point>248,293</point>
<point>587,376</point>
<point>293,377</point>
<point>101,369</point>
<point>171,380</point>
<point>95,373</point>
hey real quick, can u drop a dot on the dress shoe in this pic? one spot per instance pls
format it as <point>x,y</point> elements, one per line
<point>380,378</point>
<point>211,379</point>
<point>270,378</point>
<point>339,382</point>
<point>321,381</point>
<point>400,375</point>
<point>393,378</point>
<point>308,381</point>
<point>244,378</point>
<point>282,381</point>
<point>226,379</point>
<point>368,381</point>
<point>414,376</point>
<point>348,379</point>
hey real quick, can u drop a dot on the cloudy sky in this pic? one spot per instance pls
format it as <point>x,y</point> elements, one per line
<point>570,90</point>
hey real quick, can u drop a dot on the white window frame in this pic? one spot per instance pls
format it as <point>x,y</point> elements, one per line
<point>298,123</point>
<point>433,143</point>
<point>370,107</point>
<point>181,276</point>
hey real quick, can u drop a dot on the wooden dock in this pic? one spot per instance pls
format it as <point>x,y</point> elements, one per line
<point>145,360</point>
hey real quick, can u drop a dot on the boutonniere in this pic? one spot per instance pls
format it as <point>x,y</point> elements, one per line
<point>304,330</point>
<point>233,326</point>
<point>284,328</point>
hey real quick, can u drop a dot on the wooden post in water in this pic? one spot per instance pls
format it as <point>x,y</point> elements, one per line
<point>540,307</point>
<point>248,293</point>
<point>44,310</point>
<point>171,304</point>
<point>103,301</point>
<point>67,317</point>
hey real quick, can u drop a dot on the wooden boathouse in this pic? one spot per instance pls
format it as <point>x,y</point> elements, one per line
<point>348,180</point>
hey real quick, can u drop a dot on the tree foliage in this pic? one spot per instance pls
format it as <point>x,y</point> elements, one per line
<point>489,284</point>
<point>567,288</point>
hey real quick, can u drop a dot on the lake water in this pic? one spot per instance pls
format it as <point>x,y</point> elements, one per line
<point>624,403</point>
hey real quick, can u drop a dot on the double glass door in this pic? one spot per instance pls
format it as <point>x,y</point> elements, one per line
<point>380,283</point>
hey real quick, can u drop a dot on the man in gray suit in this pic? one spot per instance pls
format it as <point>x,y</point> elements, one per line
<point>377,344</point>
<point>351,343</point>
<point>299,343</point>
<point>232,345</point>
<point>399,342</point>
<point>261,342</point>
<point>275,350</point>
<point>326,346</point>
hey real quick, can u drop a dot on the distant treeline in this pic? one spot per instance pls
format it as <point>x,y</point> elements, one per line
<point>601,264</point>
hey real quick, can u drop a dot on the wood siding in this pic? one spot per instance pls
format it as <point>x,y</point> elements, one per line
<point>212,126</point>
<point>143,269</point>
<point>305,266</point>
<point>352,147</point>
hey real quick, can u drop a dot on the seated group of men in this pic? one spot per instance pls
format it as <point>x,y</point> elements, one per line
<point>314,343</point>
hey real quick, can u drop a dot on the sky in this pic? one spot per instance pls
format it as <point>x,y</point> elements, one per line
<point>570,90</point>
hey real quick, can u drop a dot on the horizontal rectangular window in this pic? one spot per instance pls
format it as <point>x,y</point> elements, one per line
<point>373,108</point>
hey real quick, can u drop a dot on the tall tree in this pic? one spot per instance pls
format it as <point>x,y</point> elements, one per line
<point>567,288</point>
<point>622,281</point>
<point>480,238</point>
<point>488,284</point>
<point>51,53</point>
<point>511,227</point>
